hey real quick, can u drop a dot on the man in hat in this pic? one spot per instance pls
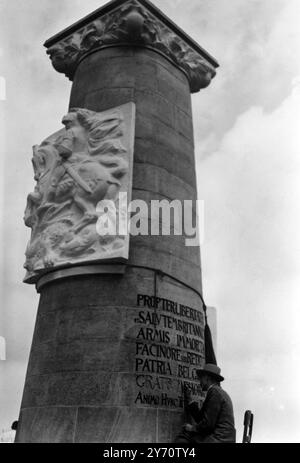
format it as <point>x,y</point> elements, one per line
<point>215,420</point>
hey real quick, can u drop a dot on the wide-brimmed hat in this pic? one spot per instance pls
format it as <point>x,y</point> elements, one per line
<point>212,370</point>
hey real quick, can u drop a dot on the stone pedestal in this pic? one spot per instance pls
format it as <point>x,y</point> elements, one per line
<point>115,342</point>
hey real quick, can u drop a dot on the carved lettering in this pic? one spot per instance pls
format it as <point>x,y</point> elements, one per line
<point>170,332</point>
<point>171,401</point>
<point>156,350</point>
<point>152,334</point>
<point>148,399</point>
<point>150,318</point>
<point>167,305</point>
<point>186,373</point>
<point>153,382</point>
<point>153,366</point>
<point>191,358</point>
<point>189,343</point>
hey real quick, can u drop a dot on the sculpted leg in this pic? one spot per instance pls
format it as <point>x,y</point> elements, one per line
<point>89,213</point>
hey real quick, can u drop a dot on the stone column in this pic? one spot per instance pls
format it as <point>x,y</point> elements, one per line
<point>113,344</point>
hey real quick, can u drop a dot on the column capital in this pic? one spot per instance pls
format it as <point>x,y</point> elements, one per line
<point>131,23</point>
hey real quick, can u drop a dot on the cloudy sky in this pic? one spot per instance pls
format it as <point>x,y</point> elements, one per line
<point>247,150</point>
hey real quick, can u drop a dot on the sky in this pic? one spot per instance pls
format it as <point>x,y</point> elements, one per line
<point>247,143</point>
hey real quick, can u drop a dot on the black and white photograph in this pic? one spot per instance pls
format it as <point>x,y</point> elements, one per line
<point>149,224</point>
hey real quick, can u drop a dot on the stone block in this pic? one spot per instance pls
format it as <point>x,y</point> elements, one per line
<point>175,140</point>
<point>102,290</point>
<point>45,328</point>
<point>177,162</point>
<point>47,425</point>
<point>149,196</point>
<point>84,388</point>
<point>116,425</point>
<point>106,98</point>
<point>184,124</point>
<point>124,69</point>
<point>113,53</point>
<point>155,131</point>
<point>153,105</point>
<point>174,88</point>
<point>170,246</point>
<point>173,290</point>
<point>184,271</point>
<point>145,128</point>
<point>161,61</point>
<point>84,354</point>
<point>90,323</point>
<point>107,73</point>
<point>52,357</point>
<point>169,425</point>
<point>146,77</point>
<point>158,180</point>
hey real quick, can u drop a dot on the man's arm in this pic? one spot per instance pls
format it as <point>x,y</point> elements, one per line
<point>65,146</point>
<point>207,417</point>
<point>194,410</point>
<point>191,406</point>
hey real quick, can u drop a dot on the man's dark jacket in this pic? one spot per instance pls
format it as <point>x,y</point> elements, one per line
<point>215,420</point>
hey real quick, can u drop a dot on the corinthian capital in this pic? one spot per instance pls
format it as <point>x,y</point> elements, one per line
<point>127,23</point>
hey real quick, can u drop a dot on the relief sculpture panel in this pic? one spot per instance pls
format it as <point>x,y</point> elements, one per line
<point>88,161</point>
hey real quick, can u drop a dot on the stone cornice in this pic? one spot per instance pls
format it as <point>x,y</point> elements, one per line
<point>131,22</point>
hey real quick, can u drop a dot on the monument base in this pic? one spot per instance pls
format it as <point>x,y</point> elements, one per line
<point>109,358</point>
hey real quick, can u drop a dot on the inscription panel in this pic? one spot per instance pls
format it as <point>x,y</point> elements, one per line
<point>169,348</point>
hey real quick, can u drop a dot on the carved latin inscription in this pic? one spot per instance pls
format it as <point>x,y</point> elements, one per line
<point>169,349</point>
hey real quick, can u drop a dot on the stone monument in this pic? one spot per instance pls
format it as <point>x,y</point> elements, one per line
<point>119,328</point>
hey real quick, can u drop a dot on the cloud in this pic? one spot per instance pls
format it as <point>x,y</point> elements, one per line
<point>250,259</point>
<point>257,45</point>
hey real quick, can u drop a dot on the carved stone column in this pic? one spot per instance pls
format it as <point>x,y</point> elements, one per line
<point>120,324</point>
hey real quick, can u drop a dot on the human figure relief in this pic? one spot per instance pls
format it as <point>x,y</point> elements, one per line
<point>74,169</point>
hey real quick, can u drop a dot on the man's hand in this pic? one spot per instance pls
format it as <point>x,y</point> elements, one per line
<point>63,151</point>
<point>187,394</point>
<point>189,427</point>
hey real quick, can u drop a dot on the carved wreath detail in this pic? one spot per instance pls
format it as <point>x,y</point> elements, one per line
<point>131,24</point>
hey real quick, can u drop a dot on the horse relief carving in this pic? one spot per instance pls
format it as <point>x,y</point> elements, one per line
<point>88,161</point>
